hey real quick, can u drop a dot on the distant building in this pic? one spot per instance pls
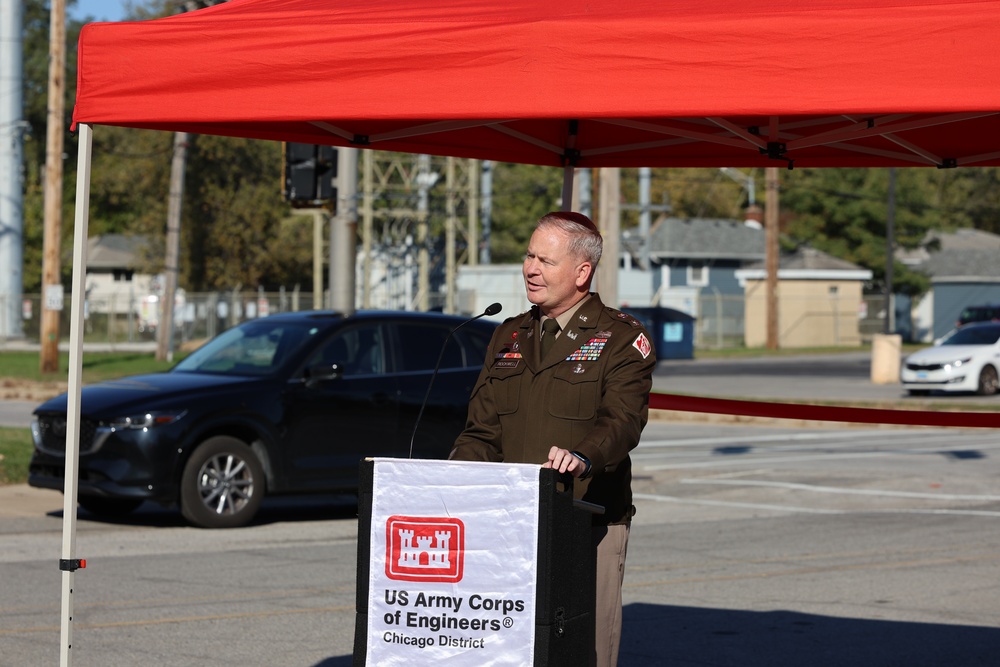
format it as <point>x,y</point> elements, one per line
<point>114,283</point>
<point>964,271</point>
<point>819,298</point>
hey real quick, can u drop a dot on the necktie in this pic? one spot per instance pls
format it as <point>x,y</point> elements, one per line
<point>549,330</point>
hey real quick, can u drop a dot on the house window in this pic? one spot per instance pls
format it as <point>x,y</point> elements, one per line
<point>122,275</point>
<point>697,274</point>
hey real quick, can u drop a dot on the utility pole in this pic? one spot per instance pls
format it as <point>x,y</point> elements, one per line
<point>449,233</point>
<point>472,235</point>
<point>165,334</point>
<point>771,256</point>
<point>52,301</point>
<point>12,125</point>
<point>424,182</point>
<point>609,222</point>
<point>890,243</point>
<point>344,233</point>
<point>367,226</point>
<point>486,187</point>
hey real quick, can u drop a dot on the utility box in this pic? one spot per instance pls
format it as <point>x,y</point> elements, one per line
<point>672,331</point>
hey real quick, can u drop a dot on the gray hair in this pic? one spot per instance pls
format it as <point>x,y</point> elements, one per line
<point>585,239</point>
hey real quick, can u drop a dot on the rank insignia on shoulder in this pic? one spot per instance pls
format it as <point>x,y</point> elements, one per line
<point>625,317</point>
<point>641,343</point>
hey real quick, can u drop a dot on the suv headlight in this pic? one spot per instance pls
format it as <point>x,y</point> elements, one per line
<point>146,420</point>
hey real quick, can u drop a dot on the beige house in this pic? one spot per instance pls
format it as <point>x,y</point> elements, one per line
<point>819,301</point>
<point>114,286</point>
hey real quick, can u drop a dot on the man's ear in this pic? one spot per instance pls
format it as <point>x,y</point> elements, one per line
<point>584,273</point>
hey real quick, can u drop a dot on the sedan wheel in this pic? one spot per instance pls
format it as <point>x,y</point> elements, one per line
<point>222,484</point>
<point>987,381</point>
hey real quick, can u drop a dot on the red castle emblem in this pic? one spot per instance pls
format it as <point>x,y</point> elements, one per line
<point>424,548</point>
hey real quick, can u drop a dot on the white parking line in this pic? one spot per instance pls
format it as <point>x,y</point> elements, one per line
<point>832,489</point>
<point>790,437</point>
<point>722,503</point>
<point>759,457</point>
<point>806,510</point>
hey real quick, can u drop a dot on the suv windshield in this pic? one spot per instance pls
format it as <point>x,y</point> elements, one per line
<point>255,348</point>
<point>979,314</point>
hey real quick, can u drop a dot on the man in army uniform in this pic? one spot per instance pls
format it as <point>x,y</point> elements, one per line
<point>566,385</point>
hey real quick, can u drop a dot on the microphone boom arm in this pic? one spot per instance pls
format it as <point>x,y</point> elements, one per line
<point>492,309</point>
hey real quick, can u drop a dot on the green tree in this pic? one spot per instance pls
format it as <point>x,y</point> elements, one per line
<point>521,195</point>
<point>36,79</point>
<point>843,212</point>
<point>233,211</point>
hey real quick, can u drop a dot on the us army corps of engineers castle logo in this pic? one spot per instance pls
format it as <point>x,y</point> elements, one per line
<point>424,548</point>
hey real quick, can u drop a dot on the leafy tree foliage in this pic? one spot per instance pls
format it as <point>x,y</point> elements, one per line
<point>521,195</point>
<point>233,227</point>
<point>236,229</point>
<point>844,212</point>
<point>36,77</point>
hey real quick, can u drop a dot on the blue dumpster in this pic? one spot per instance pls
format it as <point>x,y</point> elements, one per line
<point>671,329</point>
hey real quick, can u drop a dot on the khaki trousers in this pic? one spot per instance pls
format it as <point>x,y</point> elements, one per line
<point>611,543</point>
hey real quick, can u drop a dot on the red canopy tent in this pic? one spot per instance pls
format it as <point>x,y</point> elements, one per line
<point>585,83</point>
<point>825,83</point>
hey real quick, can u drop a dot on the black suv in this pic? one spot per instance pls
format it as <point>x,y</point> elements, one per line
<point>989,312</point>
<point>282,404</point>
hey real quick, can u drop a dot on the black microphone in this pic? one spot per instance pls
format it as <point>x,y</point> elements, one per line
<point>492,309</point>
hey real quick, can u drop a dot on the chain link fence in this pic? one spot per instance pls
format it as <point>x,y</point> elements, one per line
<point>118,318</point>
<point>114,319</point>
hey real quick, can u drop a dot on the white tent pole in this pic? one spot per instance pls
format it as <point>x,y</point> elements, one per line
<point>567,189</point>
<point>68,562</point>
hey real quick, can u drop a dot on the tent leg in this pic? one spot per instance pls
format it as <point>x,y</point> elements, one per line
<point>67,563</point>
<point>567,189</point>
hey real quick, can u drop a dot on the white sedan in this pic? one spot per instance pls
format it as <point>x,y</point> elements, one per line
<point>966,359</point>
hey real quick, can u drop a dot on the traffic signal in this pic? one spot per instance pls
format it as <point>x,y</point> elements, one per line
<point>310,174</point>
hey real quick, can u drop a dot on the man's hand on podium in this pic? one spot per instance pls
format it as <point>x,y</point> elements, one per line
<point>564,460</point>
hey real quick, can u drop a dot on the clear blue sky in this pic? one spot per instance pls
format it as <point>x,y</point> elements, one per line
<point>101,10</point>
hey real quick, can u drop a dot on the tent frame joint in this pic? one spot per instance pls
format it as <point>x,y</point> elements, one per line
<point>71,564</point>
<point>776,150</point>
<point>361,140</point>
<point>948,163</point>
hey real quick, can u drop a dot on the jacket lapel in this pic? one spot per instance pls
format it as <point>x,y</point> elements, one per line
<point>527,335</point>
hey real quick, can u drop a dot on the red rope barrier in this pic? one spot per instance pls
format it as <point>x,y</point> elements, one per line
<point>726,406</point>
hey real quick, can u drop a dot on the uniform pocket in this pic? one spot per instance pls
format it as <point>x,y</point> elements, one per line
<point>574,395</point>
<point>506,384</point>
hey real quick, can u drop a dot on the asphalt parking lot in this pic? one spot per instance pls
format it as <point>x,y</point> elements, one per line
<point>754,546</point>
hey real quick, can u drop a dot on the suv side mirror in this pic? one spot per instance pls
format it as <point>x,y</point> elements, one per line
<point>324,372</point>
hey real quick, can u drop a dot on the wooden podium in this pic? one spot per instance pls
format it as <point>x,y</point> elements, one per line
<point>463,563</point>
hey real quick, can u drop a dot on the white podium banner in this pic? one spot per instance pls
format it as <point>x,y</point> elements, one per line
<point>454,549</point>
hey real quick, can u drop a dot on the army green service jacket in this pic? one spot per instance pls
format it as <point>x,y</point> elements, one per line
<point>590,395</point>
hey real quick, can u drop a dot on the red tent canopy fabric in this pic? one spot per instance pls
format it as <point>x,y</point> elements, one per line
<point>822,83</point>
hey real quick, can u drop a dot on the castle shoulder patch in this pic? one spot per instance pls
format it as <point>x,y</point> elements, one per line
<point>642,344</point>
